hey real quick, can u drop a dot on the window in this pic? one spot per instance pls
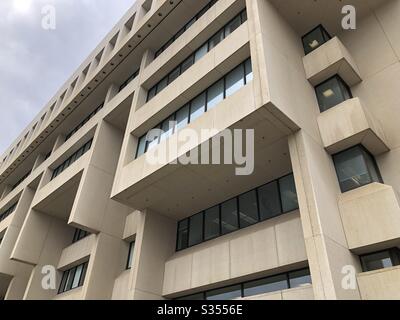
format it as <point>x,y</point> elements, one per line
<point>332,92</point>
<point>21,180</point>
<point>228,293</point>
<point>79,235</point>
<point>185,27</point>
<point>86,147</point>
<point>73,278</point>
<point>299,278</point>
<point>196,229</point>
<point>248,209</point>
<point>229,216</point>
<point>8,212</point>
<point>234,80</point>
<point>197,107</point>
<point>129,80</point>
<point>270,284</point>
<point>380,260</point>
<point>198,54</point>
<point>204,102</point>
<point>355,168</point>
<point>215,94</point>
<point>83,122</point>
<point>182,117</point>
<point>183,233</point>
<point>131,252</point>
<point>211,223</point>
<point>288,193</point>
<point>167,128</point>
<point>273,283</point>
<point>264,202</point>
<point>269,201</point>
<point>315,38</point>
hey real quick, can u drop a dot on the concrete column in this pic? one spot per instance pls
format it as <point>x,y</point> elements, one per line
<point>318,191</point>
<point>111,93</point>
<point>155,243</point>
<point>59,142</point>
<point>16,288</point>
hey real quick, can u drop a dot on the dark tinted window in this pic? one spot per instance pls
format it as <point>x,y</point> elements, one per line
<point>228,293</point>
<point>288,193</point>
<point>248,211</point>
<point>332,92</point>
<point>314,39</point>
<point>211,223</point>
<point>196,229</point>
<point>266,285</point>
<point>269,201</point>
<point>229,217</point>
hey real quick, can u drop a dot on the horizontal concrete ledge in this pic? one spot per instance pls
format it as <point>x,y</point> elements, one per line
<point>349,124</point>
<point>330,59</point>
<point>371,217</point>
<point>380,284</point>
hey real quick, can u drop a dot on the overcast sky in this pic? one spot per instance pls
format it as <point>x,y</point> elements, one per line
<point>34,62</point>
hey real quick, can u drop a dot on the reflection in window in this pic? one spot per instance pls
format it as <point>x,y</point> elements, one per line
<point>73,278</point>
<point>355,168</point>
<point>380,260</point>
<point>264,202</point>
<point>228,293</point>
<point>234,80</point>
<point>332,92</point>
<point>315,38</point>
<point>269,284</point>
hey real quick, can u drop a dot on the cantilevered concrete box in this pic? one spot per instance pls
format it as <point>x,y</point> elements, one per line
<point>330,59</point>
<point>349,124</point>
<point>371,217</point>
<point>381,284</point>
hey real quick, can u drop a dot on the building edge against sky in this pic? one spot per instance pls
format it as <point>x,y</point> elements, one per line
<point>77,193</point>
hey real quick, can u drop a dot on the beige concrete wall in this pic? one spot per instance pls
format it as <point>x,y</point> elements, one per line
<point>380,284</point>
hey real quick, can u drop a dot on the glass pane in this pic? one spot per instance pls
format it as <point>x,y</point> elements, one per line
<point>244,16</point>
<point>167,128</point>
<point>63,281</point>
<point>182,242</point>
<point>376,261</point>
<point>232,26</point>
<point>197,107</point>
<point>151,93</point>
<point>351,169</point>
<point>248,209</point>
<point>299,278</point>
<point>153,137</point>
<point>330,94</point>
<point>249,70</point>
<point>288,193</point>
<point>215,94</point>
<point>141,146</point>
<point>229,293</point>
<point>82,280</point>
<point>201,52</point>
<point>162,85</point>
<point>198,296</point>
<point>269,201</point>
<point>174,74</point>
<point>77,276</point>
<point>372,167</point>
<point>234,80</point>
<point>187,64</point>
<point>211,223</point>
<point>229,217</point>
<point>196,229</point>
<point>182,118</point>
<point>70,279</point>
<point>313,40</point>
<point>216,39</point>
<point>130,254</point>
<point>266,285</point>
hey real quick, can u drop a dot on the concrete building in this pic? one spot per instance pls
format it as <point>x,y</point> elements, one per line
<point>319,218</point>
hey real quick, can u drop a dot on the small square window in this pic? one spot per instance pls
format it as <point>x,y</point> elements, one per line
<point>315,38</point>
<point>355,168</point>
<point>332,92</point>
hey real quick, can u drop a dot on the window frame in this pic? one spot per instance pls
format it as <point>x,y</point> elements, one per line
<point>340,81</point>
<point>324,33</point>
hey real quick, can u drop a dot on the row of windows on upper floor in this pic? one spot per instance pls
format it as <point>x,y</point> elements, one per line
<point>9,211</point>
<point>211,43</point>
<point>207,100</point>
<point>188,24</point>
<point>74,157</point>
<point>265,202</point>
<point>284,281</point>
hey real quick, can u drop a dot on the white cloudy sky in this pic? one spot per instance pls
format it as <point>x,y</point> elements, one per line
<point>34,63</point>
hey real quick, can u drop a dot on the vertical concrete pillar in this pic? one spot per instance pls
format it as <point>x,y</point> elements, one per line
<point>155,243</point>
<point>326,244</point>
